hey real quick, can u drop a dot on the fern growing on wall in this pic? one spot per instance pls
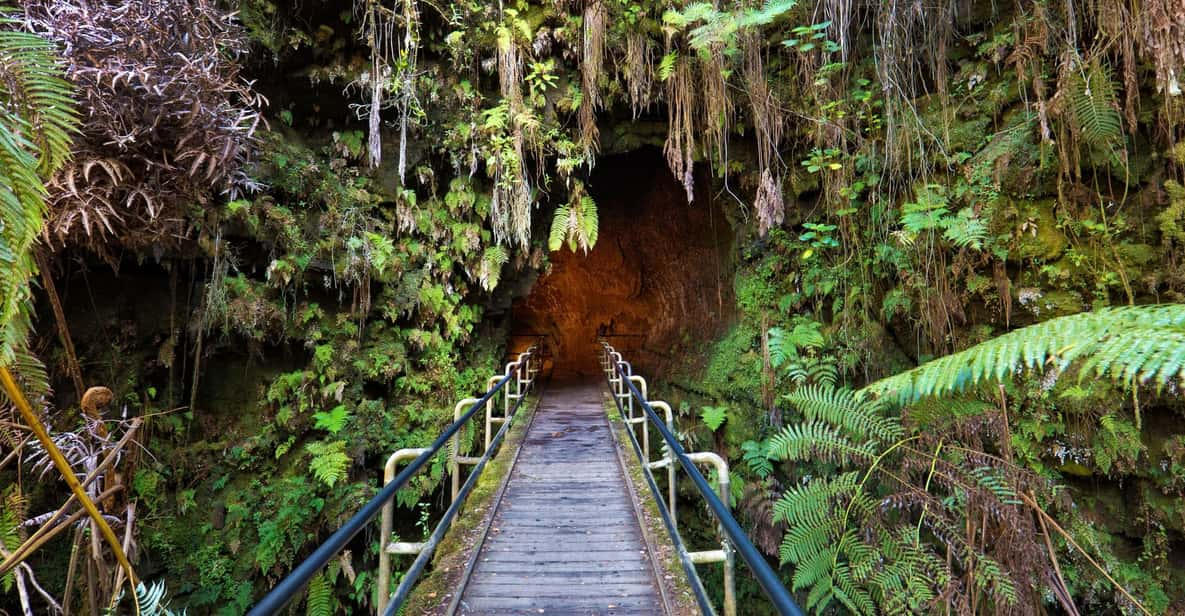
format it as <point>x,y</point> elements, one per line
<point>1094,105</point>
<point>575,223</point>
<point>329,461</point>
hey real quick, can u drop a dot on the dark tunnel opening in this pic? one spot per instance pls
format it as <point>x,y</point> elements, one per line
<point>658,278</point>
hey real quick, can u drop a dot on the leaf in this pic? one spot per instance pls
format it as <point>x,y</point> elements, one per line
<point>332,421</point>
<point>714,416</point>
<point>329,462</point>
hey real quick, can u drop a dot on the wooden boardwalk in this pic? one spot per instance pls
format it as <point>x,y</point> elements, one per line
<point>565,537</point>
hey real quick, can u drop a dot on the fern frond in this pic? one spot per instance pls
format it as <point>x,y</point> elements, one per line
<point>1126,344</point>
<point>37,118</point>
<point>319,597</point>
<point>817,440</point>
<point>559,228</point>
<point>1095,105</point>
<point>492,261</point>
<point>330,462</point>
<point>843,409</point>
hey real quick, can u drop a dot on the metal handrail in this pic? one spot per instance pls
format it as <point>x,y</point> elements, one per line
<point>290,586</point>
<point>618,373</point>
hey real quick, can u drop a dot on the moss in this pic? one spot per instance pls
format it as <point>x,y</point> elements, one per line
<point>1038,236</point>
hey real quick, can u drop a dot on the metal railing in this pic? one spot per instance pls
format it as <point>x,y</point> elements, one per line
<point>514,384</point>
<point>627,388</point>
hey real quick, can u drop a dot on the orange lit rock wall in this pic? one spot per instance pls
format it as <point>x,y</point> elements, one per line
<point>658,280</point>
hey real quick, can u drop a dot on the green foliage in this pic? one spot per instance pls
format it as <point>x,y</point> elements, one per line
<point>12,515</point>
<point>846,410</point>
<point>330,462</point>
<point>784,346</point>
<point>332,421</point>
<point>37,118</point>
<point>709,26</point>
<point>756,457</point>
<point>1095,105</point>
<point>714,416</point>
<point>575,223</point>
<point>929,214</point>
<point>319,597</point>
<point>492,261</point>
<point>1132,344</point>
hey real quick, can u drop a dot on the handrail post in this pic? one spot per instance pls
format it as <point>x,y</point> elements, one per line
<point>669,460</point>
<point>643,420</point>
<point>455,455</point>
<point>726,556</point>
<point>388,521</point>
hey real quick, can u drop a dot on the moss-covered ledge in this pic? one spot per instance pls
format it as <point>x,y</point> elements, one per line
<point>668,569</point>
<point>432,595</point>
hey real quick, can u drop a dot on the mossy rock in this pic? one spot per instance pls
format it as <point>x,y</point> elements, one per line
<point>1040,238</point>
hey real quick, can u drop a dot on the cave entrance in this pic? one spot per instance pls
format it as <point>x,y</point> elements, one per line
<point>658,279</point>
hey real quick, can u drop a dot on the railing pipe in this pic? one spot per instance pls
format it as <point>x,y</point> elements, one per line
<point>287,589</point>
<point>767,578</point>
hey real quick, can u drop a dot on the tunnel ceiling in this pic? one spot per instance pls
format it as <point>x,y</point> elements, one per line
<point>658,277</point>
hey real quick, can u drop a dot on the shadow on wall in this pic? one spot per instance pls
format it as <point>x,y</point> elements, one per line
<point>660,275</point>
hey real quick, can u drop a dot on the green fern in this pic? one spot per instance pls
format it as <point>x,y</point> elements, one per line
<point>575,223</point>
<point>816,440</point>
<point>1131,344</point>
<point>666,67</point>
<point>333,420</point>
<point>785,346</point>
<point>11,517</point>
<point>756,457</point>
<point>330,462</point>
<point>844,409</point>
<point>492,261</point>
<point>37,119</point>
<point>714,416</point>
<point>319,597</point>
<point>1095,105</point>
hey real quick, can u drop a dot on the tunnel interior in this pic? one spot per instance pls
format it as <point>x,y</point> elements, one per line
<point>657,280</point>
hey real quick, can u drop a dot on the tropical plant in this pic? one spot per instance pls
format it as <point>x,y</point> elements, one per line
<point>575,223</point>
<point>37,118</point>
<point>917,517</point>
<point>329,461</point>
<point>1130,345</point>
<point>1094,105</point>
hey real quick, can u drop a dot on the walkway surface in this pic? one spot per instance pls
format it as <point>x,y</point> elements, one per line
<point>565,537</point>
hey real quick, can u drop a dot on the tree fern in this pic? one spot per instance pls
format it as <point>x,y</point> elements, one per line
<point>1131,344</point>
<point>816,440</point>
<point>36,121</point>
